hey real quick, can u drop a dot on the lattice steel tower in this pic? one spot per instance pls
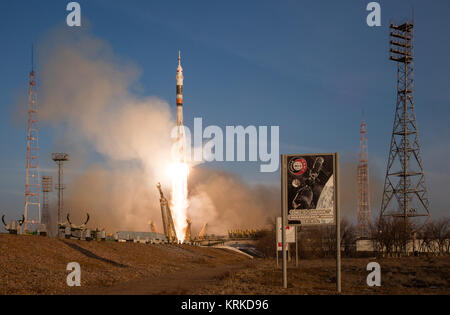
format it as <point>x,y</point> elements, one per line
<point>60,158</point>
<point>364,215</point>
<point>47,187</point>
<point>32,187</point>
<point>405,194</point>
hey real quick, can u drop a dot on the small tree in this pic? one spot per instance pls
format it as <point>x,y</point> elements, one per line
<point>348,237</point>
<point>267,240</point>
<point>437,232</point>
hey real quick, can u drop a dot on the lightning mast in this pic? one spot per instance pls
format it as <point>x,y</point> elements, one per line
<point>60,158</point>
<point>47,187</point>
<point>405,194</point>
<point>33,186</point>
<point>364,215</point>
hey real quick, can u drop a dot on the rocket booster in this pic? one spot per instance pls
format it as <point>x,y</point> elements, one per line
<point>180,80</point>
<point>181,136</point>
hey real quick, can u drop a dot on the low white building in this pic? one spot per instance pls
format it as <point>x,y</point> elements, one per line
<point>140,237</point>
<point>420,246</point>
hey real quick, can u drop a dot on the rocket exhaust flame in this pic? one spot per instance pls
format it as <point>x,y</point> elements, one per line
<point>179,169</point>
<point>179,199</point>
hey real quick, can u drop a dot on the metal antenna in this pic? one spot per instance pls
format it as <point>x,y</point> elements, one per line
<point>405,193</point>
<point>32,212</point>
<point>32,57</point>
<point>47,187</point>
<point>60,158</point>
<point>364,213</point>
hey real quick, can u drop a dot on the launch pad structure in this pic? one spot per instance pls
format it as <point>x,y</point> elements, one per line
<point>405,193</point>
<point>167,220</point>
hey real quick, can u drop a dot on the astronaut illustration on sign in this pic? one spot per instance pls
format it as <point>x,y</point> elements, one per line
<point>304,198</point>
<point>307,177</point>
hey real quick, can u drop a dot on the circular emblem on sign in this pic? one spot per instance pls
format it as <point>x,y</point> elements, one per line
<point>298,166</point>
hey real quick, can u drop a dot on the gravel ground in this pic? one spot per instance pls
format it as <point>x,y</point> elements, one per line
<point>37,265</point>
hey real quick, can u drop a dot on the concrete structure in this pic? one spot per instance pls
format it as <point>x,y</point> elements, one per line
<point>365,245</point>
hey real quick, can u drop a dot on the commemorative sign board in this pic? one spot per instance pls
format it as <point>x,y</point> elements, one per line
<point>310,184</point>
<point>310,196</point>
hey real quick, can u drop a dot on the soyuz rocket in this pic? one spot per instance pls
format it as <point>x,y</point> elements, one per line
<point>180,80</point>
<point>181,136</point>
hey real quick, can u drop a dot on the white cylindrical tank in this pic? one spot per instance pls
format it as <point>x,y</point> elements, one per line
<point>68,232</point>
<point>87,235</point>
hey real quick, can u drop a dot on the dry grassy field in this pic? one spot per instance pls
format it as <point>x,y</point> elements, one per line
<point>34,265</point>
<point>398,276</point>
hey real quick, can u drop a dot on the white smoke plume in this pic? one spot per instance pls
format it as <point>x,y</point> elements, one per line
<point>87,91</point>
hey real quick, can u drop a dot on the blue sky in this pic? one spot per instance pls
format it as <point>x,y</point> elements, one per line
<point>310,67</point>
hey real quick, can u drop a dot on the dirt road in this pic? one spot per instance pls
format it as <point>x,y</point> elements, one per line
<point>182,282</point>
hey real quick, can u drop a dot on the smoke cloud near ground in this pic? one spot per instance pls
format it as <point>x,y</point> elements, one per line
<point>226,202</point>
<point>86,91</point>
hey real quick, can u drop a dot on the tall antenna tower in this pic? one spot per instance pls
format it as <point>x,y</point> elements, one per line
<point>405,194</point>
<point>47,187</point>
<point>364,215</point>
<point>32,187</point>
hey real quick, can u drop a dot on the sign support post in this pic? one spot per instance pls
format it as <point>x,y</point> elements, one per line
<point>283,219</point>
<point>277,257</point>
<point>338,228</point>
<point>276,238</point>
<point>296,247</point>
